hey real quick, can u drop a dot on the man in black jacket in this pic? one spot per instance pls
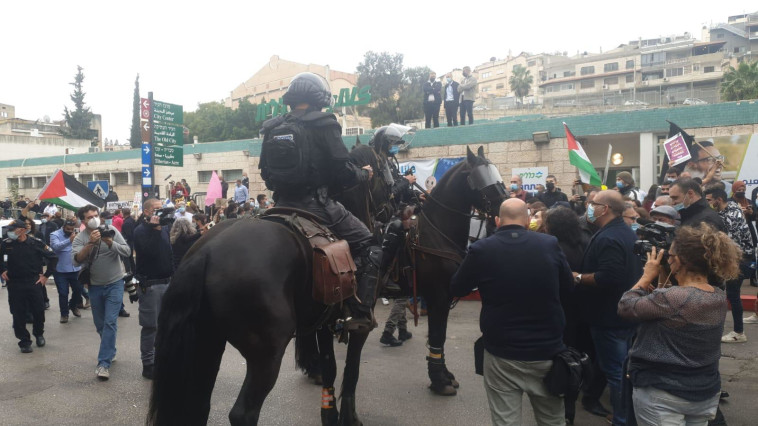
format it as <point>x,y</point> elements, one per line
<point>552,193</point>
<point>609,268</point>
<point>432,100</point>
<point>520,276</point>
<point>687,197</point>
<point>154,268</point>
<point>450,93</point>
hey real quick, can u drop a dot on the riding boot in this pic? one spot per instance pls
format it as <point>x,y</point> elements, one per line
<point>393,237</point>
<point>361,306</point>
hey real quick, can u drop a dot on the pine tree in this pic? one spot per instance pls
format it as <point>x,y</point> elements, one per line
<point>136,139</point>
<point>79,120</point>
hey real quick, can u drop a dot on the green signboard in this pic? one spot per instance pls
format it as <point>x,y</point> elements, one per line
<point>167,134</point>
<point>165,113</point>
<point>169,155</point>
<point>346,97</point>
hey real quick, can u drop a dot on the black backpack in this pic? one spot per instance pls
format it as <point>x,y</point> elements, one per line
<point>285,161</point>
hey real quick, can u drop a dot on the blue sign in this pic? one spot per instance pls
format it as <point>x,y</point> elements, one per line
<point>147,152</point>
<point>99,187</point>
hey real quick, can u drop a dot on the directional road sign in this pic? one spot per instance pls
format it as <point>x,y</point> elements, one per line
<point>147,176</point>
<point>146,151</point>
<point>169,155</point>
<point>144,129</point>
<point>144,109</point>
<point>167,134</point>
<point>99,187</point>
<point>165,113</point>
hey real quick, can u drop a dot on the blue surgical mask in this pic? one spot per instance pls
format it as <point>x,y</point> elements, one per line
<point>514,187</point>
<point>679,206</point>
<point>394,149</point>
<point>591,214</point>
<point>619,185</point>
<point>180,210</point>
<point>109,222</point>
<point>12,235</point>
<point>635,226</point>
<point>43,220</point>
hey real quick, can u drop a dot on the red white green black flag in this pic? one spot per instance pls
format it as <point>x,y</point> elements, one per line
<point>578,159</point>
<point>65,191</point>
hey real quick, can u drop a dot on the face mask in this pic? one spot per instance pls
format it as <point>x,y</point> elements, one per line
<point>108,222</point>
<point>591,214</point>
<point>12,235</point>
<point>619,185</point>
<point>670,180</point>
<point>533,225</point>
<point>679,207</point>
<point>93,223</point>
<point>740,194</point>
<point>67,234</point>
<point>550,186</point>
<point>635,226</point>
<point>180,210</point>
<point>43,220</point>
<point>394,149</point>
<point>449,80</point>
<point>514,187</point>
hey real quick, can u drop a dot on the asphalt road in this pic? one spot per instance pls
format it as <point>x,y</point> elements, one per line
<point>56,385</point>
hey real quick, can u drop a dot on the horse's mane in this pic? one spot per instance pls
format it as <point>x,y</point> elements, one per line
<point>363,155</point>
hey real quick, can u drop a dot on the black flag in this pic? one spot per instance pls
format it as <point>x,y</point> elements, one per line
<point>688,140</point>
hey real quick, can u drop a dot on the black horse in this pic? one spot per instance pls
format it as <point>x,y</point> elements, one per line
<point>257,299</point>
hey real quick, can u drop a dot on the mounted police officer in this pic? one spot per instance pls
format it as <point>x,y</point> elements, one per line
<point>304,161</point>
<point>23,273</point>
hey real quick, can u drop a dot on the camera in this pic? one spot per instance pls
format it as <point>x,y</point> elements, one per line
<point>656,234</point>
<point>106,231</point>
<point>166,216</point>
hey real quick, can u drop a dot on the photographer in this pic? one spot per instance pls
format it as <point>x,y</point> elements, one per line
<point>152,247</point>
<point>674,362</point>
<point>99,249</point>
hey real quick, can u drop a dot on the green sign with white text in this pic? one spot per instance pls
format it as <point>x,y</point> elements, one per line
<point>166,113</point>
<point>346,97</point>
<point>169,155</point>
<point>166,134</point>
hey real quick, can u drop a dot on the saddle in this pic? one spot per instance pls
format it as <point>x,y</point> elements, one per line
<point>333,265</point>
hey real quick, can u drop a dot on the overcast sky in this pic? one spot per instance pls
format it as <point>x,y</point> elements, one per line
<point>192,52</point>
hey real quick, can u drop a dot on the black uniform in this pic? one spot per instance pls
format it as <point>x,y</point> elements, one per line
<point>25,260</point>
<point>331,172</point>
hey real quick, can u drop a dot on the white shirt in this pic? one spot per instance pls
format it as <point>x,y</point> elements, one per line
<point>51,209</point>
<point>449,95</point>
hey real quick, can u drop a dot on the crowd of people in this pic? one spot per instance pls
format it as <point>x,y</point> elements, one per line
<point>455,95</point>
<point>639,281</point>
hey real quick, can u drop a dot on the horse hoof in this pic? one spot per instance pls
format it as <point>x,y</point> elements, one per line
<point>455,383</point>
<point>443,389</point>
<point>329,417</point>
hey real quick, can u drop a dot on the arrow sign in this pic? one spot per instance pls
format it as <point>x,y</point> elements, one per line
<point>146,171</point>
<point>146,149</point>
<point>147,154</point>
<point>144,107</point>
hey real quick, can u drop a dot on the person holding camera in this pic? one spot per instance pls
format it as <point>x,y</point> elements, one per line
<point>674,362</point>
<point>66,274</point>
<point>155,266</point>
<point>99,249</point>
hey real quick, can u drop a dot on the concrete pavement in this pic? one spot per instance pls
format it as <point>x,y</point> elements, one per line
<point>57,385</point>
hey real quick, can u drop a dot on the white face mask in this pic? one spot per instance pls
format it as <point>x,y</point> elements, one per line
<point>93,223</point>
<point>12,235</point>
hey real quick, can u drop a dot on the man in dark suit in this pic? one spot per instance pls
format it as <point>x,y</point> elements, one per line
<point>609,268</point>
<point>520,275</point>
<point>432,100</point>
<point>451,100</point>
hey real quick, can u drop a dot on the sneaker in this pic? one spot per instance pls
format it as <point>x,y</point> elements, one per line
<point>40,341</point>
<point>752,319</point>
<point>389,339</point>
<point>102,373</point>
<point>64,319</point>
<point>733,337</point>
<point>86,304</point>
<point>385,302</point>
<point>76,312</point>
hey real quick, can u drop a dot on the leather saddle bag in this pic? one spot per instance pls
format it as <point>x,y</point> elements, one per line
<point>333,272</point>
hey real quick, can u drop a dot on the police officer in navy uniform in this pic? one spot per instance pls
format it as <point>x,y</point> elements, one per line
<point>328,172</point>
<point>23,272</point>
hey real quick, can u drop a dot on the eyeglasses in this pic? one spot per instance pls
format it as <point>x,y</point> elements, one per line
<point>712,159</point>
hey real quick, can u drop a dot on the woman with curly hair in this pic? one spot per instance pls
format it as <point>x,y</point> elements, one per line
<point>674,362</point>
<point>183,235</point>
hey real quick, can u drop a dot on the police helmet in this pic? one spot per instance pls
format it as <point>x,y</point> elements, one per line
<point>308,88</point>
<point>385,137</point>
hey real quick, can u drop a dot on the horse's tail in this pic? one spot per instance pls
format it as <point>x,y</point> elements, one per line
<point>187,350</point>
<point>306,352</point>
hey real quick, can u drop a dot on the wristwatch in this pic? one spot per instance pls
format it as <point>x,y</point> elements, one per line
<point>578,279</point>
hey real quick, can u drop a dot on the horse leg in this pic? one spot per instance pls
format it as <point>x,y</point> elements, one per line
<point>329,414</point>
<point>263,356</point>
<point>443,382</point>
<point>348,415</point>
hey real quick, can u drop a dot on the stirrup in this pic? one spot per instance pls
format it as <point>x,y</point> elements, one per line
<point>358,324</point>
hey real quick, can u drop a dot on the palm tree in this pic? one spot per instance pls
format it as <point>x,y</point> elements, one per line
<point>520,82</point>
<point>741,83</point>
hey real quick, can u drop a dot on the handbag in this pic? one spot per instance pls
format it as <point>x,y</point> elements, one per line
<point>84,276</point>
<point>479,356</point>
<point>570,370</point>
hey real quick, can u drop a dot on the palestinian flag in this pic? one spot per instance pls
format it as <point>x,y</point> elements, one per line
<point>65,191</point>
<point>579,159</point>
